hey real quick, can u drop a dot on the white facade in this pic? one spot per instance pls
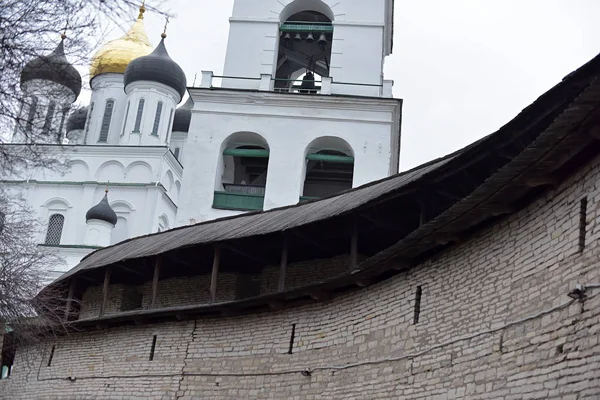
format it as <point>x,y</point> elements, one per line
<point>252,144</point>
<point>291,126</point>
<point>362,37</point>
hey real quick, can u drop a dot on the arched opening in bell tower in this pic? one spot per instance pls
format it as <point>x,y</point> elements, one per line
<point>329,168</point>
<point>306,35</point>
<point>242,172</point>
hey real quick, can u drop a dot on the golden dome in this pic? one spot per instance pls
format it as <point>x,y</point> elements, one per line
<point>115,55</point>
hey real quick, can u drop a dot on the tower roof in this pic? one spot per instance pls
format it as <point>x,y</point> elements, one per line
<point>116,55</point>
<point>55,68</point>
<point>183,116</point>
<point>157,67</point>
<point>102,211</point>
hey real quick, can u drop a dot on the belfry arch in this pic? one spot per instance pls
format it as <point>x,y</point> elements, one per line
<point>306,35</point>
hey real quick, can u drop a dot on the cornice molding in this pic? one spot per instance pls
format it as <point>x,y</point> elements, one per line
<point>272,99</point>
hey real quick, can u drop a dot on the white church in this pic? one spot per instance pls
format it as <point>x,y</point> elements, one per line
<point>301,111</point>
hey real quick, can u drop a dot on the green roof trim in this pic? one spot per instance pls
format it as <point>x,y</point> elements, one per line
<point>255,153</point>
<point>298,27</point>
<point>330,158</point>
<point>238,201</point>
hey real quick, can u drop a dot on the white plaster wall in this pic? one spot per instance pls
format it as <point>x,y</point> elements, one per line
<point>358,43</point>
<point>288,124</point>
<point>152,93</point>
<point>105,87</point>
<point>136,191</point>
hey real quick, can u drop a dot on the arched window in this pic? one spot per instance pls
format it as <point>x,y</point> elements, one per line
<point>49,117</point>
<point>59,135</point>
<point>243,173</point>
<point>159,107</point>
<point>55,228</point>
<point>32,109</point>
<point>305,46</point>
<point>108,110</point>
<point>138,117</point>
<point>126,117</point>
<point>169,126</point>
<point>163,223</point>
<point>88,123</point>
<point>329,168</point>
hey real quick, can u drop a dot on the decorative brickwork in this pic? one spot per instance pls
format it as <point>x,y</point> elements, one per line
<point>494,323</point>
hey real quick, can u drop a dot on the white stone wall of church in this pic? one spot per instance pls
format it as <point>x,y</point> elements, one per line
<point>106,87</point>
<point>152,93</point>
<point>288,124</point>
<point>357,50</point>
<point>144,187</point>
<point>485,330</point>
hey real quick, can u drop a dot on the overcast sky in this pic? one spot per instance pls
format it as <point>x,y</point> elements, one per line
<point>463,67</point>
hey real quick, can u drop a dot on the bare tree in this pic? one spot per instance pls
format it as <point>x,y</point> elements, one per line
<point>30,30</point>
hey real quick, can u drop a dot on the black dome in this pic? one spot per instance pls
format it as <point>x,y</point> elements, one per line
<point>77,119</point>
<point>102,211</point>
<point>157,67</point>
<point>183,116</point>
<point>54,67</point>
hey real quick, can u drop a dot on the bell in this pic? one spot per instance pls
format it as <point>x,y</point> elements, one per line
<point>298,38</point>
<point>287,37</point>
<point>322,39</point>
<point>310,38</point>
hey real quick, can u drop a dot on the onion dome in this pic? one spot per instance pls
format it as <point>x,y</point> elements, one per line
<point>183,116</point>
<point>157,67</point>
<point>77,119</point>
<point>55,68</point>
<point>115,56</point>
<point>102,211</point>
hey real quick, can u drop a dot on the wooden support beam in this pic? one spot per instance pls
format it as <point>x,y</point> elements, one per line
<point>540,181</point>
<point>320,296</point>
<point>423,214</point>
<point>448,195</point>
<point>502,210</point>
<point>443,239</point>
<point>275,305</point>
<point>105,290</point>
<point>69,299</point>
<point>283,265</point>
<point>353,246</point>
<point>215,274</point>
<point>155,278</point>
<point>363,282</point>
<point>594,131</point>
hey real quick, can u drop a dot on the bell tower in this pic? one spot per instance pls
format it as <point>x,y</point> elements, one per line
<point>343,40</point>
<point>302,111</point>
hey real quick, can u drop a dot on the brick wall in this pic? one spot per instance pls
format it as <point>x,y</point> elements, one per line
<point>491,326</point>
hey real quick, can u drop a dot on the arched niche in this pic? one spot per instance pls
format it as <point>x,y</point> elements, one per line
<point>139,171</point>
<point>111,171</point>
<point>78,170</point>
<point>168,180</point>
<point>124,211</point>
<point>329,167</point>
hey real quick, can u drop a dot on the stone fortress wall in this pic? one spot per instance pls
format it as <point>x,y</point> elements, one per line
<point>494,321</point>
